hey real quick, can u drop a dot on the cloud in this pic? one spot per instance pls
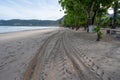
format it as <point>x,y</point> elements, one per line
<point>29,9</point>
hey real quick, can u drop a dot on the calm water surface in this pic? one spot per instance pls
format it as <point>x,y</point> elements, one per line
<point>6,29</point>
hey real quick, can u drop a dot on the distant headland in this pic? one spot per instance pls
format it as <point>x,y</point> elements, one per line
<point>19,22</point>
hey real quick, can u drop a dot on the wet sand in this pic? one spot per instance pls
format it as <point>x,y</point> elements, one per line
<point>58,54</point>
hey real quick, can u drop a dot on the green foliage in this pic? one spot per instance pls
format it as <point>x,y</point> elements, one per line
<point>97,29</point>
<point>99,33</point>
<point>84,12</point>
<point>75,13</point>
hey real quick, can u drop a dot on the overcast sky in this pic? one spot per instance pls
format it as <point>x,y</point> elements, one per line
<point>30,9</point>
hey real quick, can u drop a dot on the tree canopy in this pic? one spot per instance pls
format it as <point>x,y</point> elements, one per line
<point>84,12</point>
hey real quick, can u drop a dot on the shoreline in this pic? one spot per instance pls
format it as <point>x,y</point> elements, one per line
<point>22,34</point>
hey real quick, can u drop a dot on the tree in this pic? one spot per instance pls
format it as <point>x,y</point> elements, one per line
<point>75,13</point>
<point>115,15</point>
<point>85,12</point>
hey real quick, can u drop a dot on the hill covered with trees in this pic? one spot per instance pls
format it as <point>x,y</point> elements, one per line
<point>18,22</point>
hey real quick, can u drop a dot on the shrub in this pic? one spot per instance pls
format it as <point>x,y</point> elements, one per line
<point>99,33</point>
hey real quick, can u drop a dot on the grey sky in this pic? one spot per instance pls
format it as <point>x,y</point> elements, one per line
<point>30,9</point>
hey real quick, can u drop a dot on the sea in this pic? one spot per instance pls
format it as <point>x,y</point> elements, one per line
<point>8,29</point>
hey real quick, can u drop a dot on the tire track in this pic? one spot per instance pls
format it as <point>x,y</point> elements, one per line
<point>82,70</point>
<point>57,65</point>
<point>62,62</point>
<point>49,70</point>
<point>32,70</point>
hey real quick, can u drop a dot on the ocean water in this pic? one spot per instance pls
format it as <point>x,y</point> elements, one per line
<point>7,29</point>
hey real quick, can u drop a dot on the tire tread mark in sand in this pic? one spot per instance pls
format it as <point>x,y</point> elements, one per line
<point>58,65</point>
<point>82,70</point>
<point>49,73</point>
<point>46,62</point>
<point>28,74</point>
<point>40,63</point>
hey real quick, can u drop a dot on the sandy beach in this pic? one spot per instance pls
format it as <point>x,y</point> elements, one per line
<point>58,54</point>
<point>17,50</point>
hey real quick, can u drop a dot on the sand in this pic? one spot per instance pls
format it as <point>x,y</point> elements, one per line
<point>104,54</point>
<point>17,49</point>
<point>58,54</point>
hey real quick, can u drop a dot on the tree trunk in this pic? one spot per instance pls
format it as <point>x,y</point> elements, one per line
<point>98,38</point>
<point>93,18</point>
<point>115,17</point>
<point>90,25</point>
